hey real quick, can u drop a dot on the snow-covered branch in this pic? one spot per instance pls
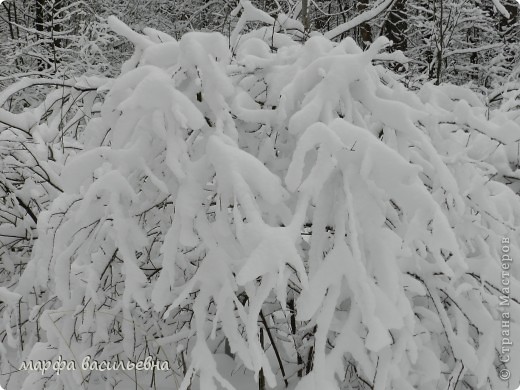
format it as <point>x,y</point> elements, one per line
<point>359,19</point>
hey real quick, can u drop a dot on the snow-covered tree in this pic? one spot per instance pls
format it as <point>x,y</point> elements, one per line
<point>257,209</point>
<point>457,41</point>
<point>58,39</point>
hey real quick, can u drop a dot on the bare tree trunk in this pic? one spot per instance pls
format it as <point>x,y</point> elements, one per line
<point>396,24</point>
<point>39,20</point>
<point>7,7</point>
<point>440,40</point>
<point>16,20</point>
<point>365,31</point>
<point>261,377</point>
<point>39,14</point>
<point>305,15</point>
<point>291,307</point>
<point>508,31</point>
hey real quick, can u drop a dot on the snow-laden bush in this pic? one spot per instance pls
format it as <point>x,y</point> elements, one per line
<point>256,209</point>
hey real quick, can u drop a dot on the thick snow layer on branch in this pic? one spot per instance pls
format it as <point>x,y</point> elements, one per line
<point>359,19</point>
<point>120,28</point>
<point>10,298</point>
<point>23,121</point>
<point>235,168</point>
<point>500,7</point>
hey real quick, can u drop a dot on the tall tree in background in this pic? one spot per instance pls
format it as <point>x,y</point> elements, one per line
<point>365,30</point>
<point>396,25</point>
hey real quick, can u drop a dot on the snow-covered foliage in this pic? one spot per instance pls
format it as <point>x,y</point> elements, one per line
<point>34,146</point>
<point>290,205</point>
